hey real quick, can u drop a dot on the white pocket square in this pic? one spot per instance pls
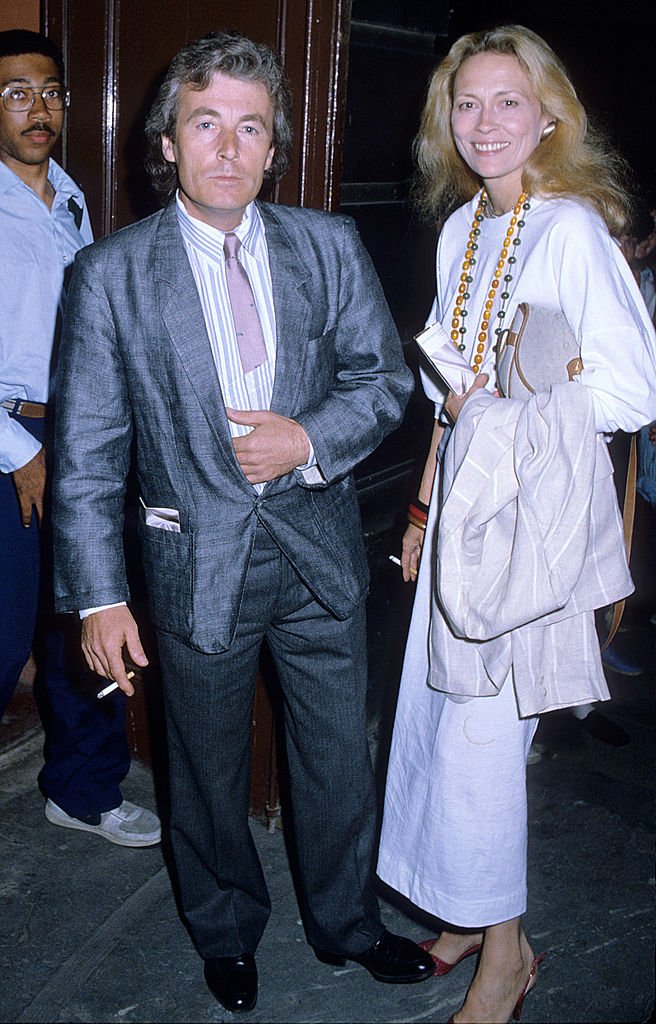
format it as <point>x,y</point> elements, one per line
<point>162,518</point>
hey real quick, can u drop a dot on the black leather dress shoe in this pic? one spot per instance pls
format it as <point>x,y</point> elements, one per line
<point>233,981</point>
<point>601,728</point>
<point>392,959</point>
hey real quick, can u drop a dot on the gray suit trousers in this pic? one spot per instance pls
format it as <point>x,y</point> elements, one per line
<point>322,667</point>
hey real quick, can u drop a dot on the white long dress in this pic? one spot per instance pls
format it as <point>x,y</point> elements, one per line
<point>454,831</point>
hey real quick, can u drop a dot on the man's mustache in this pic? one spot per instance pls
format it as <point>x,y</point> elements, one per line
<point>39,127</point>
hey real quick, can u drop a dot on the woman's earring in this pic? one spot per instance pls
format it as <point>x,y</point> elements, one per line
<point>548,130</point>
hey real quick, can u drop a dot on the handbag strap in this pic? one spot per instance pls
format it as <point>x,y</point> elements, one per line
<point>628,518</point>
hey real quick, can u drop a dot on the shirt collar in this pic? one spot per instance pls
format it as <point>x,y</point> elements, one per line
<point>64,186</point>
<point>209,240</point>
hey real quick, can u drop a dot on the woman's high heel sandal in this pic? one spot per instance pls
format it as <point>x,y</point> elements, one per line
<point>530,983</point>
<point>442,967</point>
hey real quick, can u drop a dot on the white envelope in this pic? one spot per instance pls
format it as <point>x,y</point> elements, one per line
<point>450,365</point>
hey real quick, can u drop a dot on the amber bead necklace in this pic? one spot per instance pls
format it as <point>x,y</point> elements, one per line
<point>508,250</point>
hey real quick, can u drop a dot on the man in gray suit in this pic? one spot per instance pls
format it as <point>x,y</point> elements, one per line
<point>249,527</point>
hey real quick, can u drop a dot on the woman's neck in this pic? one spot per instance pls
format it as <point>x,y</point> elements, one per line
<point>501,198</point>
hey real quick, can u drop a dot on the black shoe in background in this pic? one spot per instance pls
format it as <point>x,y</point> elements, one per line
<point>601,728</point>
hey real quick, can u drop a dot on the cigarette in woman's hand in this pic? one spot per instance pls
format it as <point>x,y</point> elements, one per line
<point>397,561</point>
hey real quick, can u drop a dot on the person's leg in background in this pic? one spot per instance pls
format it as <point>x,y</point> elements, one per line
<point>19,592</point>
<point>86,751</point>
<point>87,755</point>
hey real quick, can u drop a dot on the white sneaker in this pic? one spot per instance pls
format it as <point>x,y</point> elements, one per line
<point>126,825</point>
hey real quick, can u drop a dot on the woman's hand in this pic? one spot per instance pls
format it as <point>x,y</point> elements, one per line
<point>454,403</point>
<point>411,545</point>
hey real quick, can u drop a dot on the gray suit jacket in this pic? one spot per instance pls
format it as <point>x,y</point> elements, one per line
<point>135,367</point>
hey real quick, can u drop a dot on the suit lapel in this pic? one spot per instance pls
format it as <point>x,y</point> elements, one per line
<point>290,278</point>
<point>183,318</point>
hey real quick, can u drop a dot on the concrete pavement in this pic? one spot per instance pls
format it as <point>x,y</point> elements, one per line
<point>90,931</point>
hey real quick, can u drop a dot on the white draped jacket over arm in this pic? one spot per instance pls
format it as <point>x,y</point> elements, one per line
<point>530,537</point>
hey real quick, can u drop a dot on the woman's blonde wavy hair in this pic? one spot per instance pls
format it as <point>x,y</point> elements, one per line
<point>574,160</point>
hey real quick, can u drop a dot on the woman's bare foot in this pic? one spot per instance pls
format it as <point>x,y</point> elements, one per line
<point>496,987</point>
<point>451,945</point>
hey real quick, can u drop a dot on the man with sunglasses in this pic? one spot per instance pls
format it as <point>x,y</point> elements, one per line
<point>43,223</point>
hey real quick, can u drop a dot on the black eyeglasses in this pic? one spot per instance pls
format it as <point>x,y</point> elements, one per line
<point>18,98</point>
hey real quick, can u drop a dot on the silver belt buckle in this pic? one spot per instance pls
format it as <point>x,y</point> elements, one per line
<point>14,405</point>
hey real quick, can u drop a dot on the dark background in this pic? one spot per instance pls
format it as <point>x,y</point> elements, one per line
<point>607,47</point>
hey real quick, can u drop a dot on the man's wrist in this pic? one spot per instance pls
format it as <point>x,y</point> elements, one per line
<point>311,459</point>
<point>85,612</point>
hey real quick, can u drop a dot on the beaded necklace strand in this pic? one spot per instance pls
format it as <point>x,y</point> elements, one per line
<point>458,328</point>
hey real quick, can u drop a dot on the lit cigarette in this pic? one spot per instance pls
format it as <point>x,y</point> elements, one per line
<point>397,561</point>
<point>112,687</point>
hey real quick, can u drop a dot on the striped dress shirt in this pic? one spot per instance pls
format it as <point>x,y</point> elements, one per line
<point>204,247</point>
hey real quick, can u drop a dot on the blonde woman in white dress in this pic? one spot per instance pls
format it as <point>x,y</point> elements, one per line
<point>503,132</point>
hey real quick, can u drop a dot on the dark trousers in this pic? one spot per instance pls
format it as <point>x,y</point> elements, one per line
<point>87,755</point>
<point>321,665</point>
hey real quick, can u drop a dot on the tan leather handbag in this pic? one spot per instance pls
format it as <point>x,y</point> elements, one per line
<point>538,350</point>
